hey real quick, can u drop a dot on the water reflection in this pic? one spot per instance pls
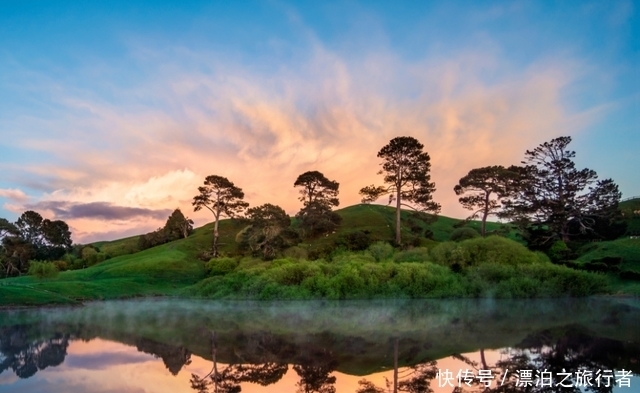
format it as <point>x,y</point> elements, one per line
<point>336,347</point>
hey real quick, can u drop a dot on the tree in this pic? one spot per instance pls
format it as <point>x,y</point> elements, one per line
<point>178,226</point>
<point>482,190</point>
<point>29,226</point>
<point>318,195</point>
<point>222,198</point>
<point>406,172</point>
<point>552,196</point>
<point>267,231</point>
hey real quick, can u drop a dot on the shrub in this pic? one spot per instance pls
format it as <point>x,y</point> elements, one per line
<point>296,253</point>
<point>89,256</point>
<point>42,269</point>
<point>221,266</point>
<point>492,249</point>
<point>419,254</point>
<point>61,265</point>
<point>464,233</point>
<point>381,251</point>
<point>559,251</point>
<point>354,241</point>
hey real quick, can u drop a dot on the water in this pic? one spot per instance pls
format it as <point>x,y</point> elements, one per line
<point>356,346</point>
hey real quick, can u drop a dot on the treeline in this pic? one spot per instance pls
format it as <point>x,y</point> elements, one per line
<point>552,204</point>
<point>42,247</point>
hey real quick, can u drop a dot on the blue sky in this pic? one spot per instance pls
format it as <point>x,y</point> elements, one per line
<point>129,105</point>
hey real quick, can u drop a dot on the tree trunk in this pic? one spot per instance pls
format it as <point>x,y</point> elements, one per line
<point>398,215</point>
<point>215,237</point>
<point>214,351</point>
<point>395,366</point>
<point>483,228</point>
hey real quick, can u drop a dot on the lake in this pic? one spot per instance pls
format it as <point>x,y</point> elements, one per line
<point>174,345</point>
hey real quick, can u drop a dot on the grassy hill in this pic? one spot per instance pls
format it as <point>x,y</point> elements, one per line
<point>169,268</point>
<point>631,213</point>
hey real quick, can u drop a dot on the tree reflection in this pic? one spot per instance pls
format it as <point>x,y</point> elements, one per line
<point>315,373</point>
<point>540,354</point>
<point>26,357</point>
<point>227,379</point>
<point>173,357</point>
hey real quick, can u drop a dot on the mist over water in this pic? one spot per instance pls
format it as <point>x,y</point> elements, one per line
<point>310,346</point>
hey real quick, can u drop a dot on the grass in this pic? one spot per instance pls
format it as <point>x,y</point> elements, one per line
<point>171,268</point>
<point>629,212</point>
<point>627,249</point>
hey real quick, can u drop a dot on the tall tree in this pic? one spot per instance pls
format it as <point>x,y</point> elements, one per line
<point>222,198</point>
<point>318,195</point>
<point>553,196</point>
<point>481,191</point>
<point>406,169</point>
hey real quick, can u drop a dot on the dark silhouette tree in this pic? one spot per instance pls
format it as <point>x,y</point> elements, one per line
<point>551,195</point>
<point>406,169</point>
<point>481,191</point>
<point>319,196</point>
<point>178,226</point>
<point>222,198</point>
<point>268,230</point>
<point>29,226</point>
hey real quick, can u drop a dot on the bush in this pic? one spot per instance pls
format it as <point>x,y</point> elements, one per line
<point>296,253</point>
<point>61,265</point>
<point>559,251</point>
<point>381,251</point>
<point>89,256</point>
<point>464,233</point>
<point>354,241</point>
<point>42,269</point>
<point>221,266</point>
<point>419,254</point>
<point>492,249</point>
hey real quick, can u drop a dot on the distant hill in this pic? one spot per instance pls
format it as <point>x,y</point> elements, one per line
<point>631,212</point>
<point>377,220</point>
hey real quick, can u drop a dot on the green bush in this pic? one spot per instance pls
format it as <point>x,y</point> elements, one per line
<point>464,233</point>
<point>419,254</point>
<point>492,249</point>
<point>381,251</point>
<point>221,266</point>
<point>42,269</point>
<point>296,253</point>
<point>354,241</point>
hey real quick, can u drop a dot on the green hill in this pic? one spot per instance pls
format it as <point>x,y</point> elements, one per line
<point>170,268</point>
<point>630,209</point>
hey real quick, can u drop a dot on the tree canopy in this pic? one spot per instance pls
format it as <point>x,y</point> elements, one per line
<point>268,230</point>
<point>406,169</point>
<point>318,195</point>
<point>482,189</point>
<point>553,196</point>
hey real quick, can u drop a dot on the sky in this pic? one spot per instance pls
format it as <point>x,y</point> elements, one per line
<point>112,113</point>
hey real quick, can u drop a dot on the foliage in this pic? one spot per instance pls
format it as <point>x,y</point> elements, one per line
<point>381,251</point>
<point>221,266</point>
<point>406,169</point>
<point>318,195</point>
<point>482,189</point>
<point>268,231</point>
<point>551,199</point>
<point>418,254</point>
<point>463,233</point>
<point>354,241</point>
<point>492,249</point>
<point>178,226</point>
<point>222,198</point>
<point>41,269</point>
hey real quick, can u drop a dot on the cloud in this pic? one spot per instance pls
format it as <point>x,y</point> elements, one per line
<point>326,111</point>
<point>97,210</point>
<point>13,194</point>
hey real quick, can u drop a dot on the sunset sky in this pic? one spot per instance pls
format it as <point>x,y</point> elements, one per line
<point>112,113</point>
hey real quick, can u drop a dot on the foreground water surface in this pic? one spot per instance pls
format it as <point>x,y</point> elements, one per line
<point>566,345</point>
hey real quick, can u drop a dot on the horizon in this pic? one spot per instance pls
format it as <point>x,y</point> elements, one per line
<point>113,114</point>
